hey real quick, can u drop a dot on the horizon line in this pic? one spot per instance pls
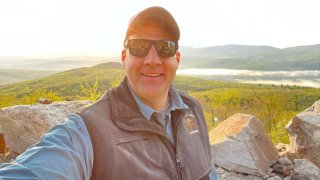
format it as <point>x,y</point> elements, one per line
<point>114,54</point>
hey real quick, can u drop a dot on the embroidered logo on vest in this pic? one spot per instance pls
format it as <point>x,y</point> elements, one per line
<point>191,124</point>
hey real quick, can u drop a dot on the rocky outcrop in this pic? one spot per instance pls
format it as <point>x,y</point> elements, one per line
<point>304,133</point>
<point>241,147</point>
<point>240,143</point>
<point>283,169</point>
<point>304,136</point>
<point>23,125</point>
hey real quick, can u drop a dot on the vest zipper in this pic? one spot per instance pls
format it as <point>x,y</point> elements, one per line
<point>180,166</point>
<point>177,154</point>
<point>174,157</point>
<point>170,147</point>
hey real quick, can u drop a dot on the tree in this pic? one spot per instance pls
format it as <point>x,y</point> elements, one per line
<point>90,91</point>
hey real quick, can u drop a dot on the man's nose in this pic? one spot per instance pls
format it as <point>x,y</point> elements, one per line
<point>152,58</point>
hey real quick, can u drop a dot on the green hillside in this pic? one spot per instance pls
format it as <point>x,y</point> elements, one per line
<point>67,84</point>
<point>273,105</point>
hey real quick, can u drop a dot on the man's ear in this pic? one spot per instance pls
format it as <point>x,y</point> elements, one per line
<point>178,55</point>
<point>123,57</point>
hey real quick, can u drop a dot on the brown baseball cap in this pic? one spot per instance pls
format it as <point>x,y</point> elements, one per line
<point>155,13</point>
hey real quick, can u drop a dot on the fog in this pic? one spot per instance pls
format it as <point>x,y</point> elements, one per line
<point>298,78</point>
<point>232,72</point>
<point>300,82</point>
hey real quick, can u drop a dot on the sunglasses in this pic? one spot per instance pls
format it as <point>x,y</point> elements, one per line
<point>141,47</point>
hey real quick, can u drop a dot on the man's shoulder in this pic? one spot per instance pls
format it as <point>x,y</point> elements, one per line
<point>189,100</point>
<point>103,101</point>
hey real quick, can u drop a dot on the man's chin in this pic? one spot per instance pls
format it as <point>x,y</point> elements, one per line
<point>152,93</point>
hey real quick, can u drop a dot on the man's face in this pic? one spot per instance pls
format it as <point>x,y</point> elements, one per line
<point>150,76</point>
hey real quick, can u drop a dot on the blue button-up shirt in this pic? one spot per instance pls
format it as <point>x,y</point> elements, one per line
<point>65,151</point>
<point>175,102</point>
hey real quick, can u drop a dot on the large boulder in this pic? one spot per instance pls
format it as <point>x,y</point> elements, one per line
<point>241,144</point>
<point>307,168</point>
<point>23,125</point>
<point>304,134</point>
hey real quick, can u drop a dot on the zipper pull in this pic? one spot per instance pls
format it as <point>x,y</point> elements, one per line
<point>180,166</point>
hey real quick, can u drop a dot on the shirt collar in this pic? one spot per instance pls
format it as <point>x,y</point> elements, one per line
<point>175,102</point>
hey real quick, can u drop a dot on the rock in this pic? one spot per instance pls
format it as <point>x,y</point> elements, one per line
<point>307,168</point>
<point>24,125</point>
<point>284,167</point>
<point>11,156</point>
<point>290,155</point>
<point>285,162</point>
<point>44,101</point>
<point>220,170</point>
<point>266,176</point>
<point>226,175</point>
<point>287,178</point>
<point>299,177</point>
<point>8,156</point>
<point>2,143</point>
<point>304,134</point>
<point>281,147</point>
<point>283,150</point>
<point>282,154</point>
<point>2,158</point>
<point>281,169</point>
<point>240,143</point>
<point>275,178</point>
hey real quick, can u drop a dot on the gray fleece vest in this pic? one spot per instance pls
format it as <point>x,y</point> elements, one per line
<point>127,146</point>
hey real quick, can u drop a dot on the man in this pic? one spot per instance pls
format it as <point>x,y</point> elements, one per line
<point>142,129</point>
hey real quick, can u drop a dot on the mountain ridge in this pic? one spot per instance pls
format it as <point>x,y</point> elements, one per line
<point>252,57</point>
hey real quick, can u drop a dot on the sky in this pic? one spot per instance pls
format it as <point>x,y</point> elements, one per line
<point>48,28</point>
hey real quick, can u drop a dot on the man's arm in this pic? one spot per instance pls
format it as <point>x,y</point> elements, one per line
<point>64,152</point>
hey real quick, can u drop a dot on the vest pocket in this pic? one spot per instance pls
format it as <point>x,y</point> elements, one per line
<point>142,158</point>
<point>129,139</point>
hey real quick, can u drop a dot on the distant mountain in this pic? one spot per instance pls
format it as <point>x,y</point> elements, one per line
<point>228,51</point>
<point>16,75</point>
<point>55,63</point>
<point>252,57</point>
